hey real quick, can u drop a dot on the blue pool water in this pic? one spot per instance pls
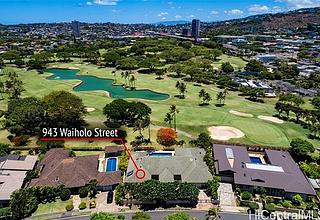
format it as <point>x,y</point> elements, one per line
<point>111,165</point>
<point>255,160</point>
<point>160,155</point>
<point>93,83</point>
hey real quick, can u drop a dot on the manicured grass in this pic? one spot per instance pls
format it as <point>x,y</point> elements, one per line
<point>192,118</point>
<point>57,206</point>
<point>89,153</point>
<point>236,62</point>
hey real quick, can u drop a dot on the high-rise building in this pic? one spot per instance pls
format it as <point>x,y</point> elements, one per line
<point>195,28</point>
<point>186,32</point>
<point>75,29</point>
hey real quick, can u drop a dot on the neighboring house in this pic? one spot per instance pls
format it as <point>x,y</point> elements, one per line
<point>59,168</point>
<point>113,151</point>
<point>13,170</point>
<point>288,87</point>
<point>183,164</point>
<point>274,170</point>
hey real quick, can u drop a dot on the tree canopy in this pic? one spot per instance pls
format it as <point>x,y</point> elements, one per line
<point>64,109</point>
<point>25,116</point>
<point>301,148</point>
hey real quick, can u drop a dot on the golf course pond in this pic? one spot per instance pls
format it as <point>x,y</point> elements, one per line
<point>93,83</point>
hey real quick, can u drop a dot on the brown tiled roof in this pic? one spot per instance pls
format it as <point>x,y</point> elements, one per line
<point>291,180</point>
<point>58,168</point>
<point>113,149</point>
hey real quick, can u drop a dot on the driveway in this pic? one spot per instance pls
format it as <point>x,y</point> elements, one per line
<point>227,198</point>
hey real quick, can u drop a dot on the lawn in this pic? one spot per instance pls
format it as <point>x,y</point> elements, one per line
<point>52,207</point>
<point>192,118</point>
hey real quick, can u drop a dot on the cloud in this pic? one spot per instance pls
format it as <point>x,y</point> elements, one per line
<point>234,12</point>
<point>106,2</point>
<point>276,9</point>
<point>163,14</point>
<point>258,9</point>
<point>296,4</point>
<point>115,11</point>
<point>170,3</point>
<point>89,3</point>
<point>214,12</point>
<point>178,16</point>
<point>191,16</point>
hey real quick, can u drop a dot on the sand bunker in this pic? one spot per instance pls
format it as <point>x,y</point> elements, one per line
<point>224,133</point>
<point>89,109</point>
<point>270,118</point>
<point>242,114</point>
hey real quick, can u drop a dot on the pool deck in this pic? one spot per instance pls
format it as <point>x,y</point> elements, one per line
<point>103,164</point>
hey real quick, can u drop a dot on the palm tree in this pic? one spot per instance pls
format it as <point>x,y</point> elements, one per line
<point>114,73</point>
<point>92,188</point>
<point>132,81</point>
<point>168,119</point>
<point>126,76</point>
<point>220,97</point>
<point>123,76</point>
<point>202,94</point>
<point>1,90</point>
<point>174,111</point>
<point>182,87</point>
<point>207,98</point>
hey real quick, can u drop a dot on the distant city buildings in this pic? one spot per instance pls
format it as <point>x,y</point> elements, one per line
<point>186,32</point>
<point>195,28</point>
<point>75,29</point>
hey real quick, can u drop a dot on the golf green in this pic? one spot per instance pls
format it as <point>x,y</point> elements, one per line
<point>93,83</point>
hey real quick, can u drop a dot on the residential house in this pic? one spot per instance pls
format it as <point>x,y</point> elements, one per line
<point>13,170</point>
<point>59,168</point>
<point>183,164</point>
<point>275,170</point>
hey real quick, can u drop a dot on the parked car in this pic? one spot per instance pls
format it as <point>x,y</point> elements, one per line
<point>110,197</point>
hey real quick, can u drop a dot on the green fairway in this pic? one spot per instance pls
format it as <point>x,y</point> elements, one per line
<point>192,118</point>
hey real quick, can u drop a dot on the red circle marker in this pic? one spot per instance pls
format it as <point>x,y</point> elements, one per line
<point>140,174</point>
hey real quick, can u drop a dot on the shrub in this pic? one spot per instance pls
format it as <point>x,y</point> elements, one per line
<point>83,192</point>
<point>246,195</point>
<point>212,187</point>
<point>69,207</point>
<point>260,190</point>
<point>82,206</point>
<point>253,205</point>
<point>213,212</point>
<point>4,212</point>
<point>141,216</point>
<point>65,194</point>
<point>269,207</point>
<point>166,137</point>
<point>121,217</point>
<point>286,204</point>
<point>297,199</point>
<point>20,140</point>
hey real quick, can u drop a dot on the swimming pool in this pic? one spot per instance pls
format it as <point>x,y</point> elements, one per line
<point>111,164</point>
<point>93,83</point>
<point>255,160</point>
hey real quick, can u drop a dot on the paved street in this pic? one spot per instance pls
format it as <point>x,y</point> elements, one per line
<point>156,215</point>
<point>200,215</point>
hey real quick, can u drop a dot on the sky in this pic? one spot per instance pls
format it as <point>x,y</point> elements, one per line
<point>140,11</point>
